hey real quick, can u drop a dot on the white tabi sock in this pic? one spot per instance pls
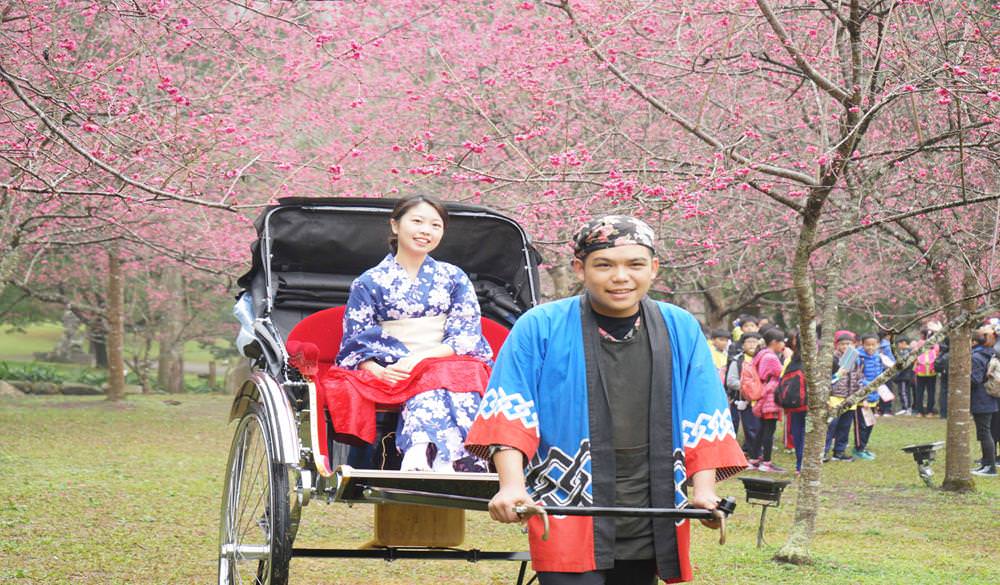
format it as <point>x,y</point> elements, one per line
<point>415,458</point>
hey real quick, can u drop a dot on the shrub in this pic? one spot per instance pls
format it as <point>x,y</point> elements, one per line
<point>29,372</point>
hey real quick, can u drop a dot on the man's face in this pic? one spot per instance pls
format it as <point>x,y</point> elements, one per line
<point>720,343</point>
<point>750,346</point>
<point>617,278</point>
<point>870,345</point>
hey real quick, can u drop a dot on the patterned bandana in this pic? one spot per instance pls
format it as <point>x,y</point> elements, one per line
<point>612,231</point>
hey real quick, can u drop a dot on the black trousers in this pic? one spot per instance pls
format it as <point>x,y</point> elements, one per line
<point>765,439</point>
<point>987,442</point>
<point>623,573</point>
<point>925,385</point>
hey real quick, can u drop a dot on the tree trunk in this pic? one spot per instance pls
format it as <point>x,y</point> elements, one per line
<point>170,370</point>
<point>796,547</point>
<point>957,475</point>
<point>563,281</point>
<point>715,307</point>
<point>116,327</point>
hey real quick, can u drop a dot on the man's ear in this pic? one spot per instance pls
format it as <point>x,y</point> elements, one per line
<point>578,268</point>
<point>655,265</point>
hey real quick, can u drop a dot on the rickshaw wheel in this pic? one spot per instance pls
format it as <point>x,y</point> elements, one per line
<point>254,544</point>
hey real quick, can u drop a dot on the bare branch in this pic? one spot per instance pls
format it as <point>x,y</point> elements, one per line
<point>825,84</point>
<point>902,216</point>
<point>680,120</point>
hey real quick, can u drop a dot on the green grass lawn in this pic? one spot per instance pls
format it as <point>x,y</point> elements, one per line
<point>37,337</point>
<point>92,492</point>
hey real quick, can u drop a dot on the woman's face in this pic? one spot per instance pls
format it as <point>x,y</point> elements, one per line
<point>419,230</point>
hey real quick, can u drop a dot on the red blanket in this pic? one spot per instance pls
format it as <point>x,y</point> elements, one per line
<point>352,395</point>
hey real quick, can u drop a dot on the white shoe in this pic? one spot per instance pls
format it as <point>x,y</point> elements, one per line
<point>416,459</point>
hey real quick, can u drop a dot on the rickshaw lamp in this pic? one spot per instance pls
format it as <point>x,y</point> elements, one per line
<point>763,492</point>
<point>923,454</point>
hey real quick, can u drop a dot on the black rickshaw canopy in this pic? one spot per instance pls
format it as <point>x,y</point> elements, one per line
<point>317,246</point>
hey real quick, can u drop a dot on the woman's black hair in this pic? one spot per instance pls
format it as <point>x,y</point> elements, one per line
<point>407,203</point>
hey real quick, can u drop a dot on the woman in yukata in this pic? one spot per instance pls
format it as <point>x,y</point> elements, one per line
<point>410,308</point>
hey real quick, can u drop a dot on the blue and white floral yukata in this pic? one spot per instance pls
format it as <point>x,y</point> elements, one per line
<point>442,297</point>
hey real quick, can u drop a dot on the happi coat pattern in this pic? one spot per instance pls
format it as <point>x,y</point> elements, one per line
<point>538,401</point>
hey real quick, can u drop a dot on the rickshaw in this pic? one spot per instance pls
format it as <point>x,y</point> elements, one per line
<point>285,451</point>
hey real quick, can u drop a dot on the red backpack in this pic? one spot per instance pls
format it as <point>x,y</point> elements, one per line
<point>750,385</point>
<point>791,391</point>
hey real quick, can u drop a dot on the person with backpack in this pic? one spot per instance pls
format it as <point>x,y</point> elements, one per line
<point>991,329</point>
<point>984,406</point>
<point>768,369</point>
<point>738,387</point>
<point>791,395</point>
<point>926,375</point>
<point>844,384</point>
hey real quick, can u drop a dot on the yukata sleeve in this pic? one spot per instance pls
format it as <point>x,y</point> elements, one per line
<point>508,413</point>
<point>708,435</point>
<point>462,328</point>
<point>363,338</point>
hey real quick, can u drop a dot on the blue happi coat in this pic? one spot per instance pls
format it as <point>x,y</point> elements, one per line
<point>538,401</point>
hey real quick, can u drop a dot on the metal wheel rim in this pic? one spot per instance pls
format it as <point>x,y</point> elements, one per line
<point>246,555</point>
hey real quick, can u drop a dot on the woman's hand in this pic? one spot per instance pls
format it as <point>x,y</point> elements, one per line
<point>406,364</point>
<point>383,373</point>
<point>399,371</point>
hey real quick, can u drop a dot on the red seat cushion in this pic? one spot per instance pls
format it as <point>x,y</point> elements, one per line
<point>313,345</point>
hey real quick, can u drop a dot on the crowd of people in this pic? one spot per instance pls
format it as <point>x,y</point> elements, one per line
<point>761,369</point>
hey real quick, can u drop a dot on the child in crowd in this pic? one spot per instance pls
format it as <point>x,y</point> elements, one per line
<point>795,418</point>
<point>719,344</point>
<point>902,382</point>
<point>738,404</point>
<point>845,383</point>
<point>744,324</point>
<point>768,367</point>
<point>926,375</point>
<point>885,408</point>
<point>872,363</point>
<point>941,367</point>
